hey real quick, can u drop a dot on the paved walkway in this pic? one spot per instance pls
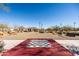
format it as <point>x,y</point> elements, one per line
<point>22,49</point>
<point>13,40</point>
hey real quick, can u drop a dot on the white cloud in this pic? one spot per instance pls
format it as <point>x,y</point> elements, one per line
<point>4,7</point>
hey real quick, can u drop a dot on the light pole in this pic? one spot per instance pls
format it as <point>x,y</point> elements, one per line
<point>61,30</point>
<point>74,25</point>
<point>40,25</point>
<point>74,28</point>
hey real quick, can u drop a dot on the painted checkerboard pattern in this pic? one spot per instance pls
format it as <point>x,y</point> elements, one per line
<point>38,43</point>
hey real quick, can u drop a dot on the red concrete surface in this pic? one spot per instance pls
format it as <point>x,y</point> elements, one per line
<point>22,50</point>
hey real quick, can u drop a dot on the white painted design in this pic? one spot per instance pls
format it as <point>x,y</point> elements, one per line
<point>39,43</point>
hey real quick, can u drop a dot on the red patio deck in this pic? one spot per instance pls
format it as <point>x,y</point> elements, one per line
<point>22,49</point>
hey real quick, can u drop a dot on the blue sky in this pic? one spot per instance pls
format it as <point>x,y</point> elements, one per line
<point>49,14</point>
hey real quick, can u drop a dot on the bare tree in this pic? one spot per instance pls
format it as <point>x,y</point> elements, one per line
<point>3,27</point>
